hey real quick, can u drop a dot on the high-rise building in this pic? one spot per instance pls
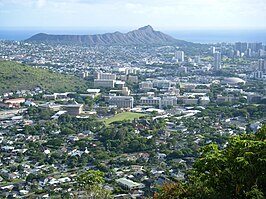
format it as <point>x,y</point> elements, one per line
<point>255,46</point>
<point>242,47</point>
<point>249,52</point>
<point>180,56</point>
<point>217,61</point>
<point>213,49</point>
<point>262,65</point>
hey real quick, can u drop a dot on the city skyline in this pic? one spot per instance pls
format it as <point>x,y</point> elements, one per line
<point>129,14</point>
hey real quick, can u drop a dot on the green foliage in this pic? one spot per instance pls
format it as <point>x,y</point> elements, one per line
<point>90,183</point>
<point>238,171</point>
<point>90,178</point>
<point>16,76</point>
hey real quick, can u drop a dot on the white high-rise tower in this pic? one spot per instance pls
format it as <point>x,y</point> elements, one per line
<point>179,55</point>
<point>217,61</point>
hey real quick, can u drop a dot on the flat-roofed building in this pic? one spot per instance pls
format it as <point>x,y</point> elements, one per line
<point>132,78</point>
<point>204,100</point>
<point>129,184</point>
<point>14,101</point>
<point>122,101</point>
<point>147,85</point>
<point>169,101</point>
<point>100,75</point>
<point>190,101</point>
<point>74,109</point>
<point>154,101</point>
<point>161,84</point>
<point>104,83</point>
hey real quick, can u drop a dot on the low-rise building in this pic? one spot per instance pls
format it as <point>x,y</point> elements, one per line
<point>154,101</point>
<point>190,101</point>
<point>104,83</point>
<point>169,101</point>
<point>74,109</point>
<point>132,78</point>
<point>15,101</point>
<point>129,184</point>
<point>204,100</point>
<point>221,98</point>
<point>105,76</point>
<point>161,84</point>
<point>122,101</point>
<point>147,85</point>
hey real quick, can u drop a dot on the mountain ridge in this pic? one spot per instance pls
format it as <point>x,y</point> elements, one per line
<point>143,35</point>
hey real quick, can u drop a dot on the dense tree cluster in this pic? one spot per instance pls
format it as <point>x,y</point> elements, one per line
<point>238,171</point>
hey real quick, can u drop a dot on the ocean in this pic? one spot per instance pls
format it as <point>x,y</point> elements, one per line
<point>197,36</point>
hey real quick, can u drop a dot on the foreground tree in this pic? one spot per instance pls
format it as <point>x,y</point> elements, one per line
<point>238,171</point>
<point>89,185</point>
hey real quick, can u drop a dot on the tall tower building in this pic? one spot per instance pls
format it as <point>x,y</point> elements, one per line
<point>217,61</point>
<point>180,56</point>
<point>242,47</point>
<point>262,65</point>
<point>212,50</point>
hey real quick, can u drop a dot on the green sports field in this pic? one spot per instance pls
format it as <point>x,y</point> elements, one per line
<point>124,116</point>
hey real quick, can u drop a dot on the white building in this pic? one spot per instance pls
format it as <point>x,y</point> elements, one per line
<point>180,56</point>
<point>204,100</point>
<point>262,65</point>
<point>104,76</point>
<point>129,184</point>
<point>217,61</point>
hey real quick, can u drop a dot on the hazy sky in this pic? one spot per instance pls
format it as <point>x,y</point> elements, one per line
<point>161,14</point>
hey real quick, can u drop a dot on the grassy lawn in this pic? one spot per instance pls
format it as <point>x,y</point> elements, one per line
<point>124,116</point>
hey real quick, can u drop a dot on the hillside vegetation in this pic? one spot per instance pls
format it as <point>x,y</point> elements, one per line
<point>15,76</point>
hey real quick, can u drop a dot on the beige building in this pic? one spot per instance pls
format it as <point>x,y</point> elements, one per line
<point>104,83</point>
<point>122,101</point>
<point>132,78</point>
<point>153,101</point>
<point>74,109</point>
<point>147,85</point>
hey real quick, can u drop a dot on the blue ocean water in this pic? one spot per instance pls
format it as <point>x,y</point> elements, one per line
<point>198,36</point>
<point>218,36</point>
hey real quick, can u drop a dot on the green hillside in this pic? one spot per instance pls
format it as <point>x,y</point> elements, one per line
<point>15,76</point>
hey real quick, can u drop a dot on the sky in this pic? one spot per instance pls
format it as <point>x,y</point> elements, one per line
<point>129,14</point>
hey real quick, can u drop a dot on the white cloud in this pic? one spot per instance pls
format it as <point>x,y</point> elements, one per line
<point>169,14</point>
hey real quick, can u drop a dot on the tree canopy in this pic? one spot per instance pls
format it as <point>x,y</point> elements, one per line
<point>237,171</point>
